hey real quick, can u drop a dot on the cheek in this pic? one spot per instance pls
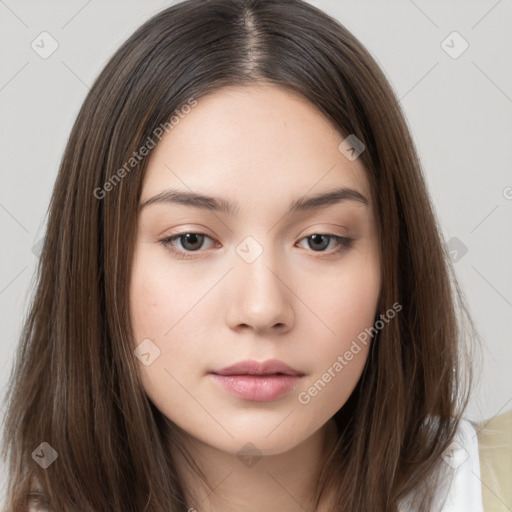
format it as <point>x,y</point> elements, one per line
<point>149,293</point>
<point>345,298</point>
<point>157,308</point>
<point>160,298</point>
<point>164,309</point>
<point>347,304</point>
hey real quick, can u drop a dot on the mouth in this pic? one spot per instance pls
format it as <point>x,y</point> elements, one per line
<point>258,369</point>
<point>258,381</point>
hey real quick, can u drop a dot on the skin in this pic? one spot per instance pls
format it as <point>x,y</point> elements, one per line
<point>261,147</point>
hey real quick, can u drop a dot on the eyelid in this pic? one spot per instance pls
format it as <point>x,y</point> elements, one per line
<point>343,244</point>
<point>167,243</point>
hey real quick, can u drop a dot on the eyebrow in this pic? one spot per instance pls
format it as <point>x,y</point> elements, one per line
<point>222,205</point>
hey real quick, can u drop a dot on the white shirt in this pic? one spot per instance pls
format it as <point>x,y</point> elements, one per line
<point>465,493</point>
<point>461,488</point>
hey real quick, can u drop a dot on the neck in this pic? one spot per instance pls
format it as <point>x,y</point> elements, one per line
<point>286,481</point>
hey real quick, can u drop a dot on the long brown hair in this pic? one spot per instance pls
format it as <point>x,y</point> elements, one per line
<point>75,384</point>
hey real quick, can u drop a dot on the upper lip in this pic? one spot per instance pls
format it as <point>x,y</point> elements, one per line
<point>252,367</point>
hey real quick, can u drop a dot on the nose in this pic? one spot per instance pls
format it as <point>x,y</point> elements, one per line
<point>261,298</point>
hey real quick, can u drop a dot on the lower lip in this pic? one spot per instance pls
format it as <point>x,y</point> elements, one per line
<point>257,389</point>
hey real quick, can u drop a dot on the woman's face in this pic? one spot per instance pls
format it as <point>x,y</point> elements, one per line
<point>261,275</point>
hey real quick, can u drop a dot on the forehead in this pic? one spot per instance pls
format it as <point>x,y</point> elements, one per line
<point>250,142</point>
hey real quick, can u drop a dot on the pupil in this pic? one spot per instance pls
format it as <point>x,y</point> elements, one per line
<point>192,238</point>
<point>318,239</point>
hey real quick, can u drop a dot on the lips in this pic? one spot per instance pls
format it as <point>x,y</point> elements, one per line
<point>257,381</point>
<point>251,367</point>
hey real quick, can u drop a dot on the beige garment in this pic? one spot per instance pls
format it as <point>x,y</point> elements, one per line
<point>495,453</point>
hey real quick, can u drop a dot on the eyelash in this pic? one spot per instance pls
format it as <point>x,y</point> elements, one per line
<point>343,243</point>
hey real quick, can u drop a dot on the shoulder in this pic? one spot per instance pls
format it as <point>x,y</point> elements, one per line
<point>455,486</point>
<point>462,487</point>
<point>479,466</point>
<point>462,464</point>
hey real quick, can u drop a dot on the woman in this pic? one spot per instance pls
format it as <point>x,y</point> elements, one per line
<point>244,302</point>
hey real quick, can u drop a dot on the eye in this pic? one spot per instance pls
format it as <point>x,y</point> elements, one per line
<point>318,242</point>
<point>190,242</point>
<point>194,242</point>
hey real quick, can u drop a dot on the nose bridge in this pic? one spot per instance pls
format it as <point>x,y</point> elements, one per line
<point>261,299</point>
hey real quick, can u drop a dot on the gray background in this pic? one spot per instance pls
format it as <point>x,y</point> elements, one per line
<point>458,109</point>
